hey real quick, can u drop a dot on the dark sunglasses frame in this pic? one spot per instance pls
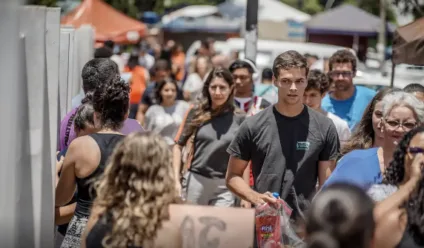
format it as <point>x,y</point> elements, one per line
<point>415,150</point>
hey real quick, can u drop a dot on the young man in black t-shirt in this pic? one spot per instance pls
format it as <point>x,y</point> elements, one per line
<point>289,145</point>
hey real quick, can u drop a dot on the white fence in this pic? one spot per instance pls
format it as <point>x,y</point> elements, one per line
<point>40,68</point>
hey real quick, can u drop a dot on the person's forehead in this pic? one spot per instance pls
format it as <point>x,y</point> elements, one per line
<point>292,73</point>
<point>241,71</point>
<point>342,66</point>
<point>417,140</point>
<point>218,82</point>
<point>312,91</point>
<point>401,112</point>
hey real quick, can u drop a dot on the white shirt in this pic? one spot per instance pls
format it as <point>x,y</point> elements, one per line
<point>147,61</point>
<point>119,61</point>
<point>341,126</point>
<point>194,85</point>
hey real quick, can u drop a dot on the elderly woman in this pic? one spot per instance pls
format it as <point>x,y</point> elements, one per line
<point>402,112</point>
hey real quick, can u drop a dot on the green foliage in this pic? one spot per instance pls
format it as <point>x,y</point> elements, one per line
<point>48,3</point>
<point>126,6</point>
<point>312,7</point>
<point>414,7</point>
<point>315,6</point>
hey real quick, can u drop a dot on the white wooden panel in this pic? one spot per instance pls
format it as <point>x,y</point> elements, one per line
<point>52,55</point>
<point>63,73</point>
<point>85,43</point>
<point>13,155</point>
<point>50,123</point>
<point>33,25</point>
<point>70,65</point>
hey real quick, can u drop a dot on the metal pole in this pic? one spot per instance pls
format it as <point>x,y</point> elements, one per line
<point>392,79</point>
<point>381,46</point>
<point>251,36</point>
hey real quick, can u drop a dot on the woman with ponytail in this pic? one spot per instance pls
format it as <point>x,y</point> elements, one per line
<point>341,216</point>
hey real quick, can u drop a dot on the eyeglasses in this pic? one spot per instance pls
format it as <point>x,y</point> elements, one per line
<point>344,74</point>
<point>405,125</point>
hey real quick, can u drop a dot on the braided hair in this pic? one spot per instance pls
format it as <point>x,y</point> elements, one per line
<point>396,171</point>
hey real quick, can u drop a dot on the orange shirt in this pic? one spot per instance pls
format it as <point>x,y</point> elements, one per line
<point>179,60</point>
<point>138,83</point>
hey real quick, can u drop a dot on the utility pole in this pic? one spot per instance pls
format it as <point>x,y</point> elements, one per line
<point>381,46</point>
<point>251,36</point>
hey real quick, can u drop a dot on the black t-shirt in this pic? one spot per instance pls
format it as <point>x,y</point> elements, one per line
<point>285,151</point>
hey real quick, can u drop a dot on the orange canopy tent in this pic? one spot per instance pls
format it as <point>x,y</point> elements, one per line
<point>109,23</point>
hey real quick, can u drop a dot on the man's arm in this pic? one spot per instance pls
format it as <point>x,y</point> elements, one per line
<point>328,155</point>
<point>238,186</point>
<point>240,151</point>
<point>324,171</point>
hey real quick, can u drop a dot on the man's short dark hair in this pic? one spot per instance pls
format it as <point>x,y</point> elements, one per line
<point>413,88</point>
<point>288,60</point>
<point>318,80</point>
<point>241,64</point>
<point>267,74</point>
<point>103,52</point>
<point>98,71</point>
<point>205,44</point>
<point>109,44</point>
<point>162,65</point>
<point>342,57</point>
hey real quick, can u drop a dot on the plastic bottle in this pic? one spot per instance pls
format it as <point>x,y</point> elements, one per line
<point>268,224</point>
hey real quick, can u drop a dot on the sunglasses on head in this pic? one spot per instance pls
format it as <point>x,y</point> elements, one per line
<point>415,150</point>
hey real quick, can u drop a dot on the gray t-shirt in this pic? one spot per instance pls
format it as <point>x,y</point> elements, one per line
<point>211,141</point>
<point>166,120</point>
<point>285,151</point>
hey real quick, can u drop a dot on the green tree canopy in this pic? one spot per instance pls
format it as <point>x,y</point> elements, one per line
<point>414,7</point>
<point>48,3</point>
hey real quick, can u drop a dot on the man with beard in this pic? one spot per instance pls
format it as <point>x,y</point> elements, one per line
<point>347,101</point>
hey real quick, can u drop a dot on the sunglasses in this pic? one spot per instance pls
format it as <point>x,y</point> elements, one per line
<point>415,150</point>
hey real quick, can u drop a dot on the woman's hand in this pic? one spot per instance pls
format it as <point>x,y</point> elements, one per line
<point>417,166</point>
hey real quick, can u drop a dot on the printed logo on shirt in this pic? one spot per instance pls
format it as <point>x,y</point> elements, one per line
<point>302,145</point>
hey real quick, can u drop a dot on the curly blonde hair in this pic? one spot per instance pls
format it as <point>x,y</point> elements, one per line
<point>136,190</point>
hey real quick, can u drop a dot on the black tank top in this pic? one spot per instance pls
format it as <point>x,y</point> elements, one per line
<point>86,193</point>
<point>96,235</point>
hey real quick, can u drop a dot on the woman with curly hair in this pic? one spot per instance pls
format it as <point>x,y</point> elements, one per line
<point>86,157</point>
<point>133,195</point>
<point>367,133</point>
<point>400,217</point>
<point>166,116</point>
<point>402,112</point>
<point>207,131</point>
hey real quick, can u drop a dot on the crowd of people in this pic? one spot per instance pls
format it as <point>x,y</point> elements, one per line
<point>152,129</point>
